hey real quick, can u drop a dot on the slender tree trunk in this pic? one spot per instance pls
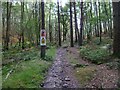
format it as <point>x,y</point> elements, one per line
<point>105,27</point>
<point>100,23</point>
<point>43,27</point>
<point>9,4</point>
<point>7,28</point>
<point>19,38</point>
<point>106,13</point>
<point>71,26</point>
<point>81,24</point>
<point>56,31</point>
<point>63,24</point>
<point>90,31</point>
<point>22,27</point>
<point>96,9</point>
<point>63,28</point>
<point>76,26</point>
<point>36,24</point>
<point>59,24</point>
<point>86,22</point>
<point>40,23</point>
<point>110,21</point>
<point>3,29</point>
<point>50,31</point>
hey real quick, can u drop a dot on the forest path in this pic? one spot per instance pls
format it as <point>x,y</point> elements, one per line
<point>60,75</point>
<point>69,70</point>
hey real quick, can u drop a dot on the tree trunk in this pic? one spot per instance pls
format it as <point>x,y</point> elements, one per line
<point>43,27</point>
<point>110,21</point>
<point>63,23</point>
<point>96,9</point>
<point>36,24</point>
<point>22,27</point>
<point>71,26</point>
<point>56,31</point>
<point>59,24</point>
<point>116,23</point>
<point>90,17</point>
<point>3,29</point>
<point>81,24</point>
<point>76,26</point>
<point>50,31</point>
<point>100,24</point>
<point>40,23</point>
<point>63,29</point>
<point>106,13</point>
<point>9,4</point>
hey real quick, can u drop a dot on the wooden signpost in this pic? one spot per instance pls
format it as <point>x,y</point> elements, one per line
<point>43,32</point>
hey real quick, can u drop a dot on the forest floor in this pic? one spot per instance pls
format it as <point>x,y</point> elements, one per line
<point>88,66</point>
<point>69,70</point>
<point>25,69</point>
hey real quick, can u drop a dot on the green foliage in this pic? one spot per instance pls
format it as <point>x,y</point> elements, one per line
<point>80,66</point>
<point>51,52</point>
<point>95,55</point>
<point>30,72</point>
<point>105,40</point>
<point>20,55</point>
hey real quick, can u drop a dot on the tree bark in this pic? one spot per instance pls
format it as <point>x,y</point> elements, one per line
<point>71,26</point>
<point>22,27</point>
<point>90,17</point>
<point>63,29</point>
<point>116,24</point>
<point>59,24</point>
<point>36,24</point>
<point>76,26</point>
<point>81,25</point>
<point>50,31</point>
<point>3,29</point>
<point>97,32</point>
<point>43,27</point>
<point>40,22</point>
<point>9,4</point>
<point>110,21</point>
<point>106,12</point>
<point>100,24</point>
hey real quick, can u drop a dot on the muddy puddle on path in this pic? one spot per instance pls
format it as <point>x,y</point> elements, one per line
<point>60,74</point>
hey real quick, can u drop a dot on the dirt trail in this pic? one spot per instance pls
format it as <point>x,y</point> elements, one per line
<point>60,74</point>
<point>103,77</point>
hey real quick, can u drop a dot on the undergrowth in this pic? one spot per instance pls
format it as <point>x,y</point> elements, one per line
<point>30,72</point>
<point>94,53</point>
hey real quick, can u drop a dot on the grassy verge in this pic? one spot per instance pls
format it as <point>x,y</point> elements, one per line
<point>82,72</point>
<point>95,53</point>
<point>85,74</point>
<point>30,72</point>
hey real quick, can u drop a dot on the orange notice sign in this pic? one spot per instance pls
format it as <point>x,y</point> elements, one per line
<point>43,38</point>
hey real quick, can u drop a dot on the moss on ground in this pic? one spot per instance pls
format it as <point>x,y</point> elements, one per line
<point>84,74</point>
